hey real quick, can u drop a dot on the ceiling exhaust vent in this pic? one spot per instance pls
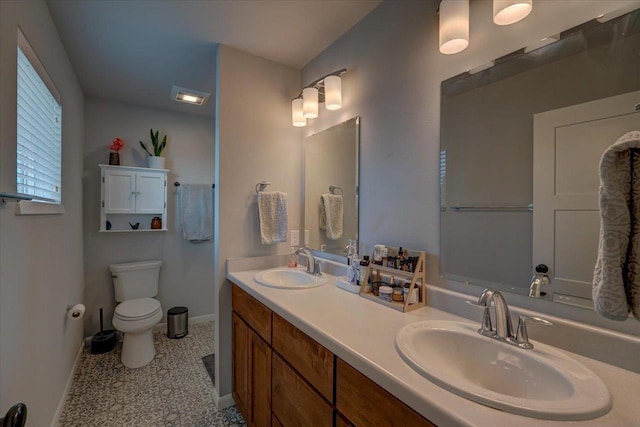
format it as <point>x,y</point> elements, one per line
<point>189,96</point>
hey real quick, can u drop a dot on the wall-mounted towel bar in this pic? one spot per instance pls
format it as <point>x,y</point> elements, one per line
<point>177,184</point>
<point>261,186</point>
<point>335,190</point>
<point>491,208</point>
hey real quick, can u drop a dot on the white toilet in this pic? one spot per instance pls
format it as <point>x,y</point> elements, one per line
<point>135,285</point>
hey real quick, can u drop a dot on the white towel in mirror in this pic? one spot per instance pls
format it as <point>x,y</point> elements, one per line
<point>331,215</point>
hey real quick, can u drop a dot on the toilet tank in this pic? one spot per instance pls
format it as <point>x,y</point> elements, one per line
<point>135,279</point>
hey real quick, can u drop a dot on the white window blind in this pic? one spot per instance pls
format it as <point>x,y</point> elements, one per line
<point>39,136</point>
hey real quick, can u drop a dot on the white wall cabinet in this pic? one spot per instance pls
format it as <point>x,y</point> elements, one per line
<point>131,195</point>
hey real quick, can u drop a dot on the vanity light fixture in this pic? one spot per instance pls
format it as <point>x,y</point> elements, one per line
<point>310,102</point>
<point>297,117</point>
<point>454,26</point>
<point>327,89</point>
<point>507,12</point>
<point>189,96</point>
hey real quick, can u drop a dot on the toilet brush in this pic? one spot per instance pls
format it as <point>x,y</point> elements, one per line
<point>103,341</point>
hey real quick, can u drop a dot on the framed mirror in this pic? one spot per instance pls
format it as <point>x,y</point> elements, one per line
<point>498,173</point>
<point>331,179</point>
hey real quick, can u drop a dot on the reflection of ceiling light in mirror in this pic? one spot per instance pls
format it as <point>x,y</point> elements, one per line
<point>333,92</point>
<point>189,96</point>
<point>297,118</point>
<point>604,17</point>
<point>482,67</point>
<point>507,12</point>
<point>310,102</point>
<point>543,42</point>
<point>454,26</point>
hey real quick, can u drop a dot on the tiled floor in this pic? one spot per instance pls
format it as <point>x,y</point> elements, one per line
<point>173,390</point>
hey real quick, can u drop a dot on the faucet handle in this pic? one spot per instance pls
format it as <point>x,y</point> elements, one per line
<point>486,328</point>
<point>522,337</point>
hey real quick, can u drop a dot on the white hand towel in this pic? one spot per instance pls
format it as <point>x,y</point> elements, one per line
<point>331,215</point>
<point>196,208</point>
<point>272,213</point>
<point>616,279</point>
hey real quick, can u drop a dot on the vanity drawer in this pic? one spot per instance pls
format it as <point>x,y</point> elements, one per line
<point>252,311</point>
<point>365,403</point>
<point>314,362</point>
<point>293,401</point>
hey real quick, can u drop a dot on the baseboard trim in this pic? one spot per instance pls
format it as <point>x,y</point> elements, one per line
<point>163,326</point>
<point>67,388</point>
<point>223,402</point>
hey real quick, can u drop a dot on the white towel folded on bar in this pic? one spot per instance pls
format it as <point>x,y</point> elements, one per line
<point>331,215</point>
<point>272,215</point>
<point>196,208</point>
<point>616,279</point>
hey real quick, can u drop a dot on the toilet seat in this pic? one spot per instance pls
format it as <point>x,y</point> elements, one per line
<point>137,309</point>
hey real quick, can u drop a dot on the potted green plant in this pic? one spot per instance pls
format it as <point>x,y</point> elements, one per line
<point>156,161</point>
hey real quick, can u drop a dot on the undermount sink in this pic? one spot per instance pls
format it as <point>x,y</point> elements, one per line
<point>289,278</point>
<point>541,382</point>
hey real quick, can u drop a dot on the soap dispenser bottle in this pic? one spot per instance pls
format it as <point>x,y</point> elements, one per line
<point>293,260</point>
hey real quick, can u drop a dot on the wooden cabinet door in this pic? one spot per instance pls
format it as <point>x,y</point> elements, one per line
<point>120,192</point>
<point>365,403</point>
<point>296,403</point>
<point>259,376</point>
<point>240,364</point>
<point>150,192</point>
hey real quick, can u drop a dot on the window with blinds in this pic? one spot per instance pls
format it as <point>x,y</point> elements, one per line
<point>39,135</point>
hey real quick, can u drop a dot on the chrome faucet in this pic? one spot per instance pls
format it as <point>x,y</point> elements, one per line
<point>504,328</point>
<point>538,280</point>
<point>313,265</point>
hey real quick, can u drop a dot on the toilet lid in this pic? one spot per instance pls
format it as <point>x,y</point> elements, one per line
<point>140,308</point>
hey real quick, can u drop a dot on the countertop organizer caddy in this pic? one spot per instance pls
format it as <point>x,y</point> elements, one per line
<point>417,277</point>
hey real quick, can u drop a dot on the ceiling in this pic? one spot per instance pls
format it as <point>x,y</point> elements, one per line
<point>135,50</point>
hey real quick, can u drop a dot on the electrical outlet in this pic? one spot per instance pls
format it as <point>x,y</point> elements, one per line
<point>295,237</point>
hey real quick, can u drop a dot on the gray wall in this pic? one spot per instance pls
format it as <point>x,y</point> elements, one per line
<point>255,141</point>
<point>186,276</point>
<point>393,84</point>
<point>40,256</point>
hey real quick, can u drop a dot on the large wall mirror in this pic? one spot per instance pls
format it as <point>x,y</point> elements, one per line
<point>331,160</point>
<point>520,148</point>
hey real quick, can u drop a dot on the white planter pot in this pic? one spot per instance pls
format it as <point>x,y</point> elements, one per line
<point>156,162</point>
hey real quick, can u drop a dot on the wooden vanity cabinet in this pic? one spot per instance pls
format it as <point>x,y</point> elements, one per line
<point>284,378</point>
<point>365,403</point>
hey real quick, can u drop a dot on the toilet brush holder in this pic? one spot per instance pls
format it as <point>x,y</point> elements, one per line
<point>103,341</point>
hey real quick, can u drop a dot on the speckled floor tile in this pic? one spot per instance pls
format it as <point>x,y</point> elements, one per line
<point>173,390</point>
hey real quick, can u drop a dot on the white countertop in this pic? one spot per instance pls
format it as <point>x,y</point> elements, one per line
<point>362,333</point>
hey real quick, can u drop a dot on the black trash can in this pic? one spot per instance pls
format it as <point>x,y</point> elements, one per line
<point>177,322</point>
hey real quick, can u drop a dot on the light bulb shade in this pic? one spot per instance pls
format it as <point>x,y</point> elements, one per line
<point>297,118</point>
<point>310,102</point>
<point>507,12</point>
<point>333,93</point>
<point>454,26</point>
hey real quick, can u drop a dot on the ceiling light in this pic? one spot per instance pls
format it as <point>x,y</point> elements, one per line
<point>333,93</point>
<point>507,12</point>
<point>310,102</point>
<point>297,118</point>
<point>189,96</point>
<point>454,26</point>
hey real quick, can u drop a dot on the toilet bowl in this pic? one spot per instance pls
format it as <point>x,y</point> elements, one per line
<point>136,319</point>
<point>135,285</point>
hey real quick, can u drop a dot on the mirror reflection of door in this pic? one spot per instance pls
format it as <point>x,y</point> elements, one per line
<point>568,145</point>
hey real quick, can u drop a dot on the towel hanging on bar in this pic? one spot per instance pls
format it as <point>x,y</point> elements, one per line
<point>272,216</point>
